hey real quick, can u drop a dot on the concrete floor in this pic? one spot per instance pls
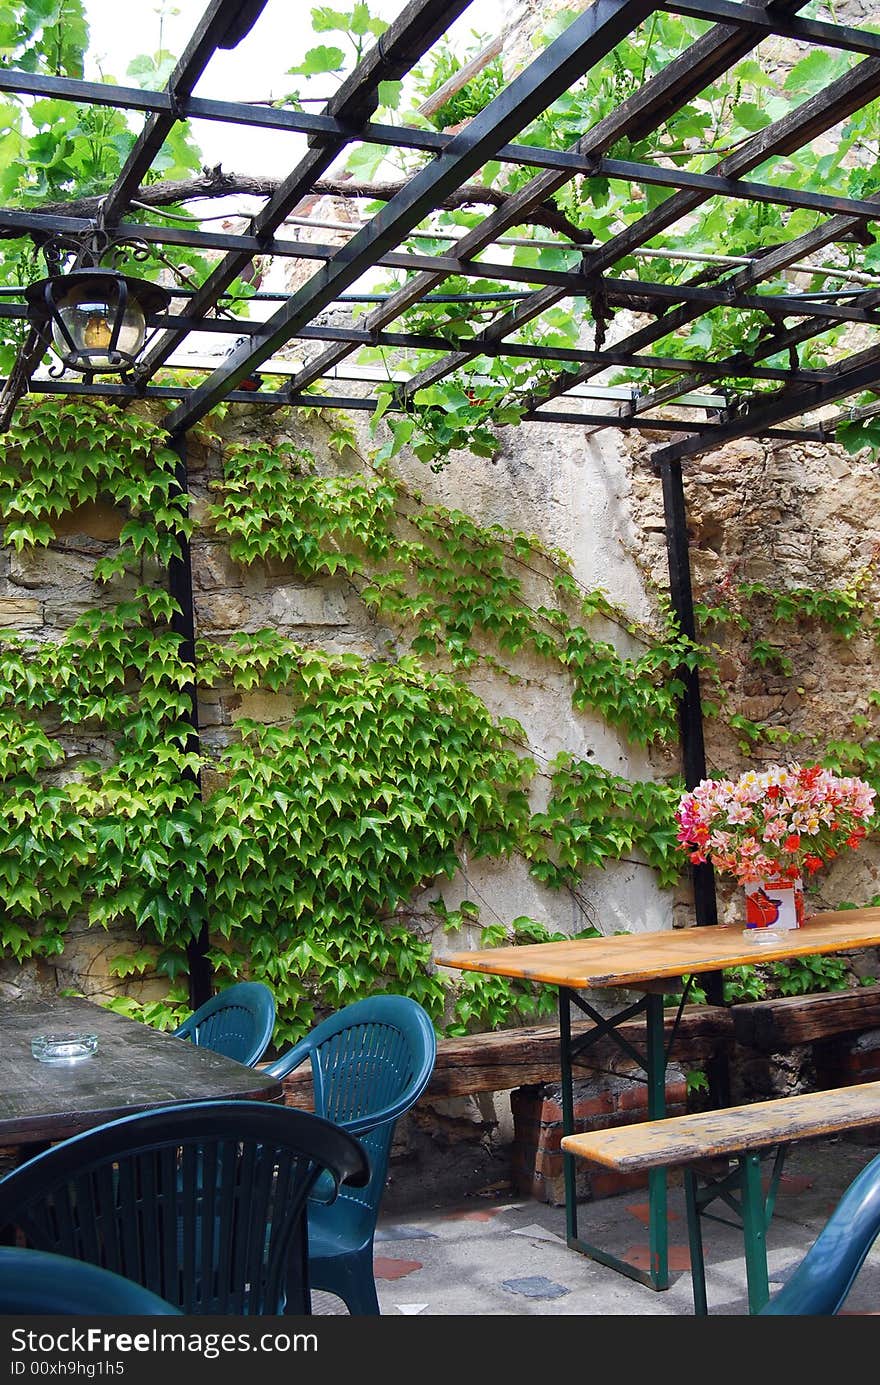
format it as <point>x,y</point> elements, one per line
<point>502,1255</point>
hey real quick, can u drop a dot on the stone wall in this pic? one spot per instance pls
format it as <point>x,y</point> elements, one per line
<point>788,515</point>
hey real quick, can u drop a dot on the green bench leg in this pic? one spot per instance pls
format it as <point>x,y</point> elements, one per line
<point>754,1219</point>
<point>695,1243</point>
<point>754,1213</point>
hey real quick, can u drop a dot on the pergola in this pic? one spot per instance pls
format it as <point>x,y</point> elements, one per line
<point>450,160</point>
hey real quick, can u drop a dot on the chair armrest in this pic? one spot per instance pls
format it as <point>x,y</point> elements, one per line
<point>325,1190</point>
<point>290,1060</point>
<point>365,1125</point>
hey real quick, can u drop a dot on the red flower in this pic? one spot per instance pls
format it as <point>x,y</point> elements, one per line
<point>773,791</point>
<point>791,842</point>
<point>854,840</point>
<point>813,863</point>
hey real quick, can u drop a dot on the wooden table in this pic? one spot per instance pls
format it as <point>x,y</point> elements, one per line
<point>135,1068</point>
<point>648,962</point>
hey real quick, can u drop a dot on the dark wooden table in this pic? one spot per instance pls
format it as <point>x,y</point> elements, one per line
<point>135,1068</point>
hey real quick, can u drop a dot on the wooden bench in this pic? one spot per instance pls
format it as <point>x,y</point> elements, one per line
<point>739,1132</point>
<point>529,1055</point>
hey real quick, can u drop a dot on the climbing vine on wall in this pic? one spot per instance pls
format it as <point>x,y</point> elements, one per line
<point>310,839</point>
<point>464,590</point>
<point>595,816</point>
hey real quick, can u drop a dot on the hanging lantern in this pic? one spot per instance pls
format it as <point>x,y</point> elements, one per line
<point>95,319</point>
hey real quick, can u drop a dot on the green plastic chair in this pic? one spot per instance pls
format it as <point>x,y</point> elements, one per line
<point>203,1203</point>
<point>37,1282</point>
<point>370,1063</point>
<point>237,1022</point>
<point>823,1279</point>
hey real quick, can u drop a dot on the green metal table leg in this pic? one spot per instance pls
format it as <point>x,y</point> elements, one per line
<point>695,1242</point>
<point>653,1062</point>
<point>568,1164</point>
<point>658,1225</point>
<point>754,1219</point>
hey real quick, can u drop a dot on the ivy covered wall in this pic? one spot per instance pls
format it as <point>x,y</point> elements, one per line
<point>414,719</point>
<point>421,721</point>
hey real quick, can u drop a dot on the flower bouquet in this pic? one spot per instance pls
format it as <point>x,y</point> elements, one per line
<point>766,829</point>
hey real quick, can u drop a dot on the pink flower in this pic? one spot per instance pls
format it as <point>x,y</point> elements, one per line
<point>774,822</point>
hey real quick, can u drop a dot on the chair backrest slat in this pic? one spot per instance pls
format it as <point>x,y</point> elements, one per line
<point>237,1022</point>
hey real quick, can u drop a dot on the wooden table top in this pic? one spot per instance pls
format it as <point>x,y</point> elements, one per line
<point>630,959</point>
<point>135,1068</point>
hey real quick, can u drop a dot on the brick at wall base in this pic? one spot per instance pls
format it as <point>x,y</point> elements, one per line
<point>601,1101</point>
<point>847,1059</point>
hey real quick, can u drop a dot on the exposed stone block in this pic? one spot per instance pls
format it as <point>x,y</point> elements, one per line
<point>103,522</point>
<point>52,568</point>
<point>306,606</point>
<point>22,614</point>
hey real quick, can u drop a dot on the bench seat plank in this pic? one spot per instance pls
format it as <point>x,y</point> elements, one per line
<point>687,1139</point>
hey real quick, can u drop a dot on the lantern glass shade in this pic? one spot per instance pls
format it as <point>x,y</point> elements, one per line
<point>88,311</point>
<point>96,318</point>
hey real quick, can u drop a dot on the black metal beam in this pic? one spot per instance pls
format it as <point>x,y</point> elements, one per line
<point>411,35</point>
<point>592,35</point>
<point>854,374</point>
<point>180,588</point>
<point>411,341</point>
<point>637,294</point>
<point>642,295</point>
<point>215,23</point>
<point>620,292</point>
<point>690,716</point>
<point>537,351</point>
<point>736,188</point>
<point>846,213</point>
<point>430,141</point>
<point>681,593</point>
<point>836,227</point>
<point>245,246</point>
<point>663,425</point>
<point>317,126</point>
<point>679,81</point>
<point>814,116</point>
<point>741,363</point>
<point>814,31</point>
<point>274,398</point>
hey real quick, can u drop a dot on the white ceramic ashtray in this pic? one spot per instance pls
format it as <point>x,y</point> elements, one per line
<point>63,1048</point>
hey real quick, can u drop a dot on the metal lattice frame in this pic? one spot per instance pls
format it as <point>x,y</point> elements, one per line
<point>738,28</point>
